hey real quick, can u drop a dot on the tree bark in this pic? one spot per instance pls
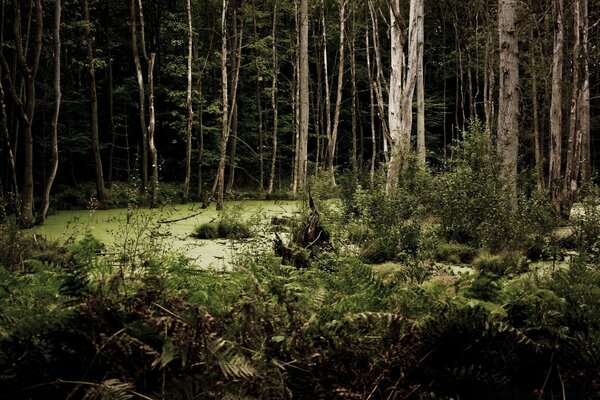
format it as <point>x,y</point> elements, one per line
<point>189,106</point>
<point>402,86</point>
<point>421,92</point>
<point>100,191</point>
<point>25,111</point>
<point>303,100</point>
<point>274,106</point>
<point>141,92</point>
<point>555,159</point>
<point>508,103</point>
<point>332,145</point>
<point>54,123</point>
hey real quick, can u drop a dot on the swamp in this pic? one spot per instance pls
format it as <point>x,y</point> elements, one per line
<point>296,199</point>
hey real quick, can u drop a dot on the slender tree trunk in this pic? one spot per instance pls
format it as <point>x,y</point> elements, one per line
<point>11,155</point>
<point>219,183</point>
<point>555,159</point>
<point>539,166</point>
<point>190,110</point>
<point>141,92</point>
<point>355,159</point>
<point>327,114</point>
<point>371,108</point>
<point>303,103</point>
<point>421,92</point>
<point>573,139</point>
<point>586,166</point>
<point>332,145</point>
<point>100,191</point>
<point>54,124</point>
<point>508,104</point>
<point>274,107</point>
<point>151,132</point>
<point>111,123</point>
<point>236,53</point>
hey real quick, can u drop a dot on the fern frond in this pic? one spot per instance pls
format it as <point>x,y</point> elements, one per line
<point>111,389</point>
<point>232,364</point>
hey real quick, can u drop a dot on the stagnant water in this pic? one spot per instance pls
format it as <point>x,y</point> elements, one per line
<point>168,228</point>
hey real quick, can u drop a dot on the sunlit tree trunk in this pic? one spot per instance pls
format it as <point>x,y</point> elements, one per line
<point>508,103</point>
<point>586,156</point>
<point>54,124</point>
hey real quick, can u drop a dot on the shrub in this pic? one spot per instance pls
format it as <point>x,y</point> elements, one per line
<point>474,203</point>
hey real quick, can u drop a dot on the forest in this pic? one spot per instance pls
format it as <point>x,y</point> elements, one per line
<point>242,199</point>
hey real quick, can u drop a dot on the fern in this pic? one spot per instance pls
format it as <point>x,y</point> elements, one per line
<point>232,364</point>
<point>111,389</point>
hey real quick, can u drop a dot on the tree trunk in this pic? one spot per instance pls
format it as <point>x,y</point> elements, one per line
<point>190,110</point>
<point>151,131</point>
<point>537,141</point>
<point>141,92</point>
<point>508,103</point>
<point>574,137</point>
<point>54,124</point>
<point>421,93</point>
<point>274,107</point>
<point>303,100</point>
<point>26,111</point>
<point>236,53</point>
<point>219,183</point>
<point>555,159</point>
<point>100,192</point>
<point>332,145</point>
<point>371,107</point>
<point>586,166</point>
<point>402,86</point>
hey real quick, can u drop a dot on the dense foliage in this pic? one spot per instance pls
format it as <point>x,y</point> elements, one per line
<point>446,319</point>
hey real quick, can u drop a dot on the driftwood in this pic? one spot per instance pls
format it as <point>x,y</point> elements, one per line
<point>170,221</point>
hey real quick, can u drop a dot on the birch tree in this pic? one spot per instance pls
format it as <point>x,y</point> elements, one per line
<point>402,86</point>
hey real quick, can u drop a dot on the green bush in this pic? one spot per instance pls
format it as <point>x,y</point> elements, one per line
<point>474,203</point>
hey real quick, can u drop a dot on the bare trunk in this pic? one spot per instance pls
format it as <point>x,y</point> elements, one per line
<point>54,124</point>
<point>508,103</point>
<point>303,100</point>
<point>586,166</point>
<point>539,167</point>
<point>274,107</point>
<point>555,158</point>
<point>327,114</point>
<point>100,191</point>
<point>141,92</point>
<point>371,108</point>
<point>573,139</point>
<point>402,86</point>
<point>355,159</point>
<point>421,93</point>
<point>332,145</point>
<point>236,52</point>
<point>151,131</point>
<point>190,110</point>
<point>25,111</point>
